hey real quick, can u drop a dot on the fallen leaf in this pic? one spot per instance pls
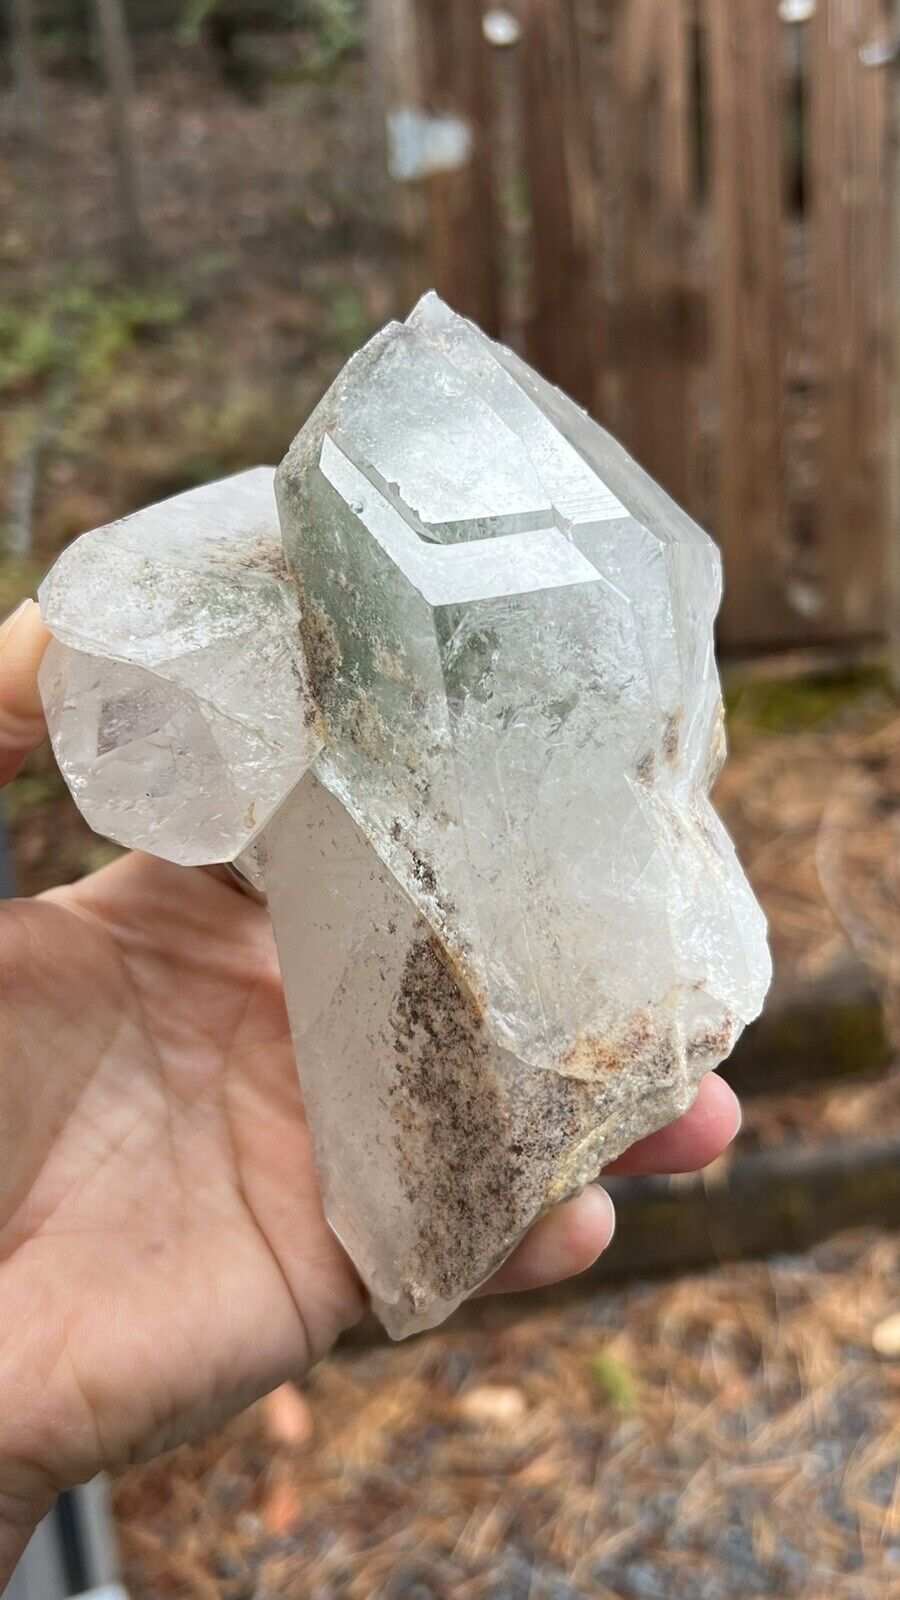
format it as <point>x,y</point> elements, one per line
<point>615,1381</point>
<point>288,1417</point>
<point>886,1336</point>
<point>282,1509</point>
<point>493,1405</point>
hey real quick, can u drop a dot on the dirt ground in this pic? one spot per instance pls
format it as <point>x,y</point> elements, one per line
<point>732,1436</point>
<point>728,1435</point>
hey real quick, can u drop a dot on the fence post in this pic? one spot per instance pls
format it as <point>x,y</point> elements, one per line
<point>392,35</point>
<point>659,320</point>
<point>462,203</point>
<point>746,105</point>
<point>566,336</point>
<point>849,129</point>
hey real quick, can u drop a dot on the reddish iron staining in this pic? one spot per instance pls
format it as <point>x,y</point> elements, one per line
<point>672,735</point>
<point>321,649</point>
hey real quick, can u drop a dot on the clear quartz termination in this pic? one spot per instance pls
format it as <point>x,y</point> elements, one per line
<point>512,930</point>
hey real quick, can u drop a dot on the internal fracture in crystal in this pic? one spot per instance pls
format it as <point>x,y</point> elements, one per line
<point>512,930</point>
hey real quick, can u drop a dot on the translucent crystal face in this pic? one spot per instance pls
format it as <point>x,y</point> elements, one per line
<point>518,682</point>
<point>175,687</point>
<point>513,932</point>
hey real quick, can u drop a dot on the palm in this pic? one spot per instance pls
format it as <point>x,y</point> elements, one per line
<point>164,1178</point>
<point>163,1252</point>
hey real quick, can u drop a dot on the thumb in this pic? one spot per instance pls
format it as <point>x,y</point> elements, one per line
<point>23,640</point>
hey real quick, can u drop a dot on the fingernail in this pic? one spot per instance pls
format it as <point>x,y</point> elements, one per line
<point>604,1209</point>
<point>737,1109</point>
<point>8,627</point>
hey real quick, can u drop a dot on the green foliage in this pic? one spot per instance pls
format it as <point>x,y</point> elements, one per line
<point>78,332</point>
<point>350,325</point>
<point>516,197</point>
<point>27,347</point>
<point>336,24</point>
<point>614,1380</point>
<point>19,579</point>
<point>30,792</point>
<point>195,14</point>
<point>99,854</point>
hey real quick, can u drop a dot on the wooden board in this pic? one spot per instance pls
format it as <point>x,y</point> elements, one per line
<point>748,252</point>
<point>462,204</point>
<point>657,334</point>
<point>393,51</point>
<point>664,263</point>
<point>847,163</point>
<point>566,335</point>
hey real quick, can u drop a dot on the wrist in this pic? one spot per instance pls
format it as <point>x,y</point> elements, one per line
<point>25,1498</point>
<point>28,1484</point>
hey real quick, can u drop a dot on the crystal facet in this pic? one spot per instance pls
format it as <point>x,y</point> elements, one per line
<point>512,930</point>
<point>175,686</point>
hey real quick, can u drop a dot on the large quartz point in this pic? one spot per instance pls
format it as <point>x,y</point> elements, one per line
<point>513,932</point>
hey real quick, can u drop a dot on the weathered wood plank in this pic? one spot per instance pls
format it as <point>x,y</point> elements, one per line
<point>658,310</point>
<point>463,212</point>
<point>566,334</point>
<point>611,281</point>
<point>848,133</point>
<point>746,116</point>
<point>395,59</point>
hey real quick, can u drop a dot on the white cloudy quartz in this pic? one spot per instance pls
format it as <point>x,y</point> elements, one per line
<point>175,686</point>
<point>512,930</point>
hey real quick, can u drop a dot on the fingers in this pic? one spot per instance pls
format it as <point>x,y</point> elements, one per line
<point>571,1238</point>
<point>695,1140</point>
<point>23,640</point>
<point>566,1242</point>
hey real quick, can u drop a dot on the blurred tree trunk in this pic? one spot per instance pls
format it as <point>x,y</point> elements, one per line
<point>29,100</point>
<point>115,55</point>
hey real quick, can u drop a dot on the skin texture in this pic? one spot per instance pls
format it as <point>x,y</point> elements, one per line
<point>164,1258</point>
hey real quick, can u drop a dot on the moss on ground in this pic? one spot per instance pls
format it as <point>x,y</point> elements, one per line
<point>781,706</point>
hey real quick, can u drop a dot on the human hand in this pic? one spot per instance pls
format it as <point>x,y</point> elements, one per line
<point>164,1257</point>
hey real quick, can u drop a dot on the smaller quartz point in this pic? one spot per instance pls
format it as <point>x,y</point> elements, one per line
<point>513,933</point>
<point>175,686</point>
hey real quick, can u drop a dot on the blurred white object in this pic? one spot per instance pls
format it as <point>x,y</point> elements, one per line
<point>420,144</point>
<point>797,10</point>
<point>501,27</point>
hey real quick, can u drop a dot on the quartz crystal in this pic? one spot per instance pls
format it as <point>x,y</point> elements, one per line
<point>175,686</point>
<point>512,930</point>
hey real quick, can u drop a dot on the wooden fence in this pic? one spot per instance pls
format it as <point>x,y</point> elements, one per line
<point>678,209</point>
